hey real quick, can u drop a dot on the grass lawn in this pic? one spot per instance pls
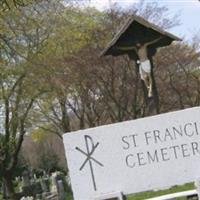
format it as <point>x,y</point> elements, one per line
<point>150,194</point>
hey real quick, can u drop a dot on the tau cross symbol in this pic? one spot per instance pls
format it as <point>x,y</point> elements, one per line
<point>89,159</point>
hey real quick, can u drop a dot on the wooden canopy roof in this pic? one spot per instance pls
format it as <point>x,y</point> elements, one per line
<point>136,29</point>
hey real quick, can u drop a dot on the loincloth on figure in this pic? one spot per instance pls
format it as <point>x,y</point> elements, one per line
<point>145,69</point>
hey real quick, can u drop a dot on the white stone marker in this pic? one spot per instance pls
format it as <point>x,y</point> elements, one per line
<point>135,156</point>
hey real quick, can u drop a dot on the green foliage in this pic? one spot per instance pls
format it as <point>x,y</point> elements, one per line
<point>20,167</point>
<point>22,37</point>
<point>6,5</point>
<point>39,135</point>
<point>49,161</point>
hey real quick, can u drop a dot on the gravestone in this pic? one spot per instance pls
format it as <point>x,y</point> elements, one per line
<point>25,179</point>
<point>61,191</point>
<point>54,188</point>
<point>34,177</point>
<point>135,156</point>
<point>27,198</point>
<point>67,178</point>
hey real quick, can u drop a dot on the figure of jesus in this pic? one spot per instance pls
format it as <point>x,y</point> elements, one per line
<point>145,65</point>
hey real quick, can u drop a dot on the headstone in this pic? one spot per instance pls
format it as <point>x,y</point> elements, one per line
<point>27,198</point>
<point>34,176</point>
<point>17,179</point>
<point>67,178</point>
<point>25,179</point>
<point>45,175</point>
<point>20,186</point>
<point>54,183</point>
<point>61,191</point>
<point>135,156</point>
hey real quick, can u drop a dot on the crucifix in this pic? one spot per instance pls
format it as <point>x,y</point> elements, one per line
<point>140,39</point>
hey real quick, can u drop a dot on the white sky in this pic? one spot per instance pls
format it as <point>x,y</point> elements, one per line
<point>189,10</point>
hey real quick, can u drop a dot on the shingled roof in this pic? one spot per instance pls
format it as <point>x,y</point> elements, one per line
<point>137,29</point>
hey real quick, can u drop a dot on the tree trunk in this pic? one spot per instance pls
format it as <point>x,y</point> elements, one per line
<point>10,191</point>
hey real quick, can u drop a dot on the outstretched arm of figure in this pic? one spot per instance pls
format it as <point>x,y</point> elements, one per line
<point>127,48</point>
<point>154,41</point>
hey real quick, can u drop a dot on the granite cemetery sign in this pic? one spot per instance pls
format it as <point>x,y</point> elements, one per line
<point>134,156</point>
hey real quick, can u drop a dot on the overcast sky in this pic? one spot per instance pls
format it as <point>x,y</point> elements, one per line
<point>189,10</point>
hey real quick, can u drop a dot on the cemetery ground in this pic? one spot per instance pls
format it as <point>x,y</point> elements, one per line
<point>149,194</point>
